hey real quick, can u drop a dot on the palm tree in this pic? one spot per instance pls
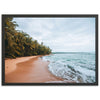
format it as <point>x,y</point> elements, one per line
<point>19,43</point>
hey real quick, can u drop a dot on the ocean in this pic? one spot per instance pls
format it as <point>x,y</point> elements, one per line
<point>73,66</point>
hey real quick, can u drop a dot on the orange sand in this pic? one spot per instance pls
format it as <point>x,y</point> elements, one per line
<point>28,70</point>
<point>10,64</point>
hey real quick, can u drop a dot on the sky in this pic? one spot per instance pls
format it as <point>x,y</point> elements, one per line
<point>61,34</point>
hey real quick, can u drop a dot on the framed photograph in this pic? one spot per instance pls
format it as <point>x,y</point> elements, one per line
<point>50,50</point>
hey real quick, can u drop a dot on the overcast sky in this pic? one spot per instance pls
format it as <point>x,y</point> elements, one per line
<point>61,34</point>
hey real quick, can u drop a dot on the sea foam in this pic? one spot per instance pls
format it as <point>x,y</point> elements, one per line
<point>73,67</point>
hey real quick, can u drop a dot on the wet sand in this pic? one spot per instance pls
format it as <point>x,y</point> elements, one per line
<point>29,70</point>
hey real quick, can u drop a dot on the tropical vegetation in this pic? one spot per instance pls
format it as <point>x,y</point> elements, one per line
<point>19,43</point>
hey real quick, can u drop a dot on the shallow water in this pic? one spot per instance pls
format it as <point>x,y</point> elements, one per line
<point>78,67</point>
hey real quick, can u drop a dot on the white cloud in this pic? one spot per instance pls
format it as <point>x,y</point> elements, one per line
<point>61,34</point>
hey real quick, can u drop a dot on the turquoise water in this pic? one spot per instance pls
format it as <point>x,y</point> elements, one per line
<point>78,67</point>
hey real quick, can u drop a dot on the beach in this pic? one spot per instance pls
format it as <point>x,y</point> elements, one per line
<point>31,69</point>
<point>58,68</point>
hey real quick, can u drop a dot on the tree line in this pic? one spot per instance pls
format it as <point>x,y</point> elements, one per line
<point>19,43</point>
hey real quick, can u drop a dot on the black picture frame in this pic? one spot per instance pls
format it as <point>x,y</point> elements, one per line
<point>49,16</point>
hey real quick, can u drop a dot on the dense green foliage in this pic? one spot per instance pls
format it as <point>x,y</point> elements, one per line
<point>19,43</point>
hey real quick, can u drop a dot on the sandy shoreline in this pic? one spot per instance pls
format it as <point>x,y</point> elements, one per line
<point>10,64</point>
<point>28,70</point>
